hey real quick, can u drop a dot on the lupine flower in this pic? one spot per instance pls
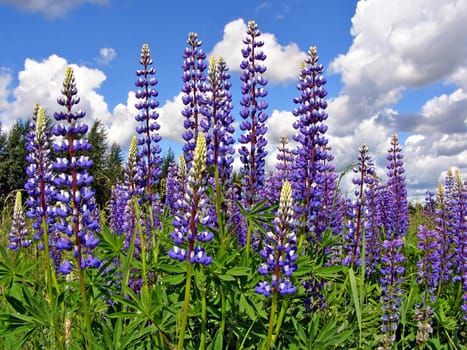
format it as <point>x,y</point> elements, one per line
<point>188,240</point>
<point>280,250</point>
<point>19,235</point>
<point>219,102</point>
<point>171,187</point>
<point>253,140</point>
<point>391,280</point>
<point>117,206</point>
<point>74,209</point>
<point>312,149</point>
<point>285,159</point>
<point>39,172</point>
<point>399,213</point>
<point>457,208</point>
<point>429,268</point>
<point>445,232</point>
<point>148,154</point>
<point>373,225</point>
<point>365,173</point>
<point>194,94</point>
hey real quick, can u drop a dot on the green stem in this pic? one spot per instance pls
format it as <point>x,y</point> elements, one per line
<point>142,240</point>
<point>220,226</point>
<point>272,316</point>
<point>186,304</point>
<point>155,245</point>
<point>280,320</point>
<point>84,303</point>
<point>202,345</point>
<point>50,278</point>
<point>248,243</point>
<point>223,310</point>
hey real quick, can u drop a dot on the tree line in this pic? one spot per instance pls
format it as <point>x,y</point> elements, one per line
<point>107,168</point>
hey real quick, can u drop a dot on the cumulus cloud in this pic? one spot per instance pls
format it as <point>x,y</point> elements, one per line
<point>50,8</point>
<point>106,55</point>
<point>41,82</point>
<point>282,62</point>
<point>392,52</point>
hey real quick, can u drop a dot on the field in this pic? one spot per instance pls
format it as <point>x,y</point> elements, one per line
<point>198,256</point>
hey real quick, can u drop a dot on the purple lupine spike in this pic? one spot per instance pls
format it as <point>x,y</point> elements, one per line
<point>373,225</point>
<point>280,249</point>
<point>311,152</point>
<point>253,140</point>
<point>194,94</point>
<point>399,211</point>
<point>171,188</point>
<point>39,172</point>
<point>118,202</point>
<point>391,281</point>
<point>148,155</point>
<point>457,207</point>
<point>358,210</point>
<point>443,227</point>
<point>75,206</point>
<point>220,150</point>
<point>285,159</point>
<point>188,239</point>
<point>429,267</point>
<point>19,235</point>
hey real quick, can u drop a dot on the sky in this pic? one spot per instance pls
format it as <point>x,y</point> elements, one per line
<point>392,67</point>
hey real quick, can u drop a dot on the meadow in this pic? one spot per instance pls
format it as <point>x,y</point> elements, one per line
<point>199,256</point>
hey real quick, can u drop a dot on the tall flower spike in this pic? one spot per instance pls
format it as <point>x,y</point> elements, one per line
<point>186,236</point>
<point>148,154</point>
<point>391,298</point>
<point>194,94</point>
<point>39,172</point>
<point>19,235</point>
<point>358,210</point>
<point>312,151</point>
<point>75,206</point>
<point>399,214</point>
<point>220,149</point>
<point>280,250</point>
<point>253,140</point>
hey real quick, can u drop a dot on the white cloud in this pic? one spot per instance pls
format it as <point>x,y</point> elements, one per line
<point>50,8</point>
<point>282,61</point>
<point>279,124</point>
<point>392,52</point>
<point>171,119</point>
<point>106,55</point>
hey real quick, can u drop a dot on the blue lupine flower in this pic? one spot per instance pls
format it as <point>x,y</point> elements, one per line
<point>194,94</point>
<point>39,171</point>
<point>253,140</point>
<point>280,249</point>
<point>365,176</point>
<point>191,213</point>
<point>148,154</point>
<point>391,281</point>
<point>19,235</point>
<point>398,218</point>
<point>75,207</point>
<point>312,152</point>
<point>219,102</point>
<point>457,211</point>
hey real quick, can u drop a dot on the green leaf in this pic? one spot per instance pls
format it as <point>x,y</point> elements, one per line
<point>355,298</point>
<point>173,280</point>
<point>239,271</point>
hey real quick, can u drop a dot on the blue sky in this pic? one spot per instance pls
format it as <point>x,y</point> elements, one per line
<point>392,66</point>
